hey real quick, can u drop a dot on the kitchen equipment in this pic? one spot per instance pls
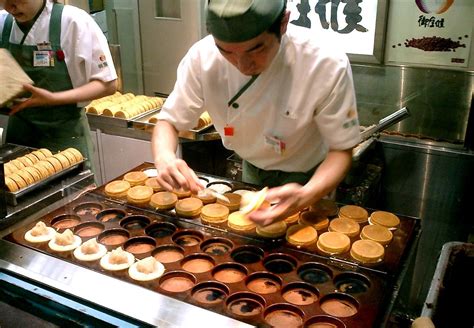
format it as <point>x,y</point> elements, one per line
<point>384,123</point>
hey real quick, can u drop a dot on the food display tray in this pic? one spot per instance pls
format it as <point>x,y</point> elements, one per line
<point>14,151</point>
<point>245,277</point>
<point>13,198</point>
<point>207,132</point>
<point>101,120</point>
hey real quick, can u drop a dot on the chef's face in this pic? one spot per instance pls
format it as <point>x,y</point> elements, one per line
<point>252,57</point>
<point>22,10</point>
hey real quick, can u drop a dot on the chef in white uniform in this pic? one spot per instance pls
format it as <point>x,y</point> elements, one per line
<point>67,56</point>
<point>279,98</point>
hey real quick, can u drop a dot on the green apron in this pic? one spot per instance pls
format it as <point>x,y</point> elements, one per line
<point>56,127</point>
<point>273,178</point>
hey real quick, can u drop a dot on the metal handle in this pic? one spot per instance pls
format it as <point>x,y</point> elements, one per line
<point>385,122</point>
<point>393,118</point>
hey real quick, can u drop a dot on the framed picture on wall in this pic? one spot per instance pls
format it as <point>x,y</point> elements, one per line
<point>430,32</point>
<point>356,26</point>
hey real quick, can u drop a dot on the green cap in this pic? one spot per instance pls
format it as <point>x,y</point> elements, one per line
<point>241,20</point>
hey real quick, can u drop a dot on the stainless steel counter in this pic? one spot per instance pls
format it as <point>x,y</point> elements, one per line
<point>98,290</point>
<point>124,298</point>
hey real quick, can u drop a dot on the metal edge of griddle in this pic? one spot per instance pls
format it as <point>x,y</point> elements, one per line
<point>35,201</point>
<point>405,264</point>
<point>107,292</point>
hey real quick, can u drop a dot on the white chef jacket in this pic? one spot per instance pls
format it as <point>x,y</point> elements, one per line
<point>86,50</point>
<point>304,99</point>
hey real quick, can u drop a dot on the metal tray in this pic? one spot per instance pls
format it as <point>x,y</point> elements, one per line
<point>13,197</point>
<point>205,133</point>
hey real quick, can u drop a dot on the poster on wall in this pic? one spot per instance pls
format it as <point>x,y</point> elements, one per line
<point>433,32</point>
<point>356,26</point>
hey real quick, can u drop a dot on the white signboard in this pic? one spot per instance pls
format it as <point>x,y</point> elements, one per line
<point>434,32</point>
<point>351,24</point>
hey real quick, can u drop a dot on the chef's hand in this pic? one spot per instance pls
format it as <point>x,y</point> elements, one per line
<point>287,199</point>
<point>174,173</point>
<point>39,97</point>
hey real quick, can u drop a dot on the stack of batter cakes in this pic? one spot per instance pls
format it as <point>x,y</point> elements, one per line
<point>123,106</point>
<point>38,165</point>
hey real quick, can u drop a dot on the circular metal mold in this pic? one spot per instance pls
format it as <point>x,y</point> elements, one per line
<point>279,263</point>
<point>247,254</point>
<point>88,229</point>
<point>113,238</point>
<point>140,245</point>
<point>111,215</point>
<point>263,283</point>
<point>315,273</point>
<point>197,263</point>
<point>210,292</point>
<point>245,304</point>
<point>217,246</point>
<point>229,272</point>
<point>160,229</point>
<point>135,222</point>
<point>339,305</point>
<point>283,315</point>
<point>177,281</point>
<point>220,187</point>
<point>188,238</point>
<point>352,283</point>
<point>300,293</point>
<point>88,209</point>
<point>168,253</point>
<point>324,321</point>
<point>65,221</point>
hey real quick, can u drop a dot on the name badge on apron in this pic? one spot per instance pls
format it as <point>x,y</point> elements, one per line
<point>42,58</point>
<point>278,145</point>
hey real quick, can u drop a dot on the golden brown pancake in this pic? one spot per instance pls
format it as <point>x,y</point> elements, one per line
<point>189,207</point>
<point>377,233</point>
<point>117,188</point>
<point>385,219</point>
<point>348,227</point>
<point>153,182</point>
<point>354,212</point>
<point>163,200</point>
<point>214,213</point>
<point>367,251</point>
<point>273,230</point>
<point>139,195</point>
<point>135,178</point>
<point>234,201</point>
<point>301,235</point>
<point>330,243</point>
<point>240,222</point>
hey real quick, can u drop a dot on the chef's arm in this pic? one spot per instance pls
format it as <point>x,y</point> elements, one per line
<point>292,197</point>
<point>173,173</point>
<point>328,175</point>
<point>42,97</point>
<point>164,143</point>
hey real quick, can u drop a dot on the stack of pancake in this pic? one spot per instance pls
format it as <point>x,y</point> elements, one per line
<point>37,165</point>
<point>123,105</point>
